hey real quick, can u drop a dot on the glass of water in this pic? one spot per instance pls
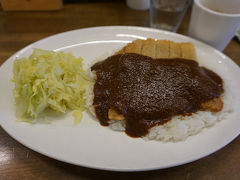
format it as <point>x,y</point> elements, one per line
<point>167,14</point>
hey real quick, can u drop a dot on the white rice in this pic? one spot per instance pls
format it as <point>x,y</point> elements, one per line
<point>179,127</point>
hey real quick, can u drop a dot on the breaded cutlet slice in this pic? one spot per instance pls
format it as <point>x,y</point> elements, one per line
<point>162,49</point>
<point>187,51</point>
<point>148,48</point>
<point>134,47</point>
<point>159,49</point>
<point>175,50</point>
<point>214,105</point>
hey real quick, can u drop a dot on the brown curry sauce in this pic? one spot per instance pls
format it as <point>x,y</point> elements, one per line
<point>149,92</point>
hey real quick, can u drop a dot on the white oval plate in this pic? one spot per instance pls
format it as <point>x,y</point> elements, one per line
<point>92,145</point>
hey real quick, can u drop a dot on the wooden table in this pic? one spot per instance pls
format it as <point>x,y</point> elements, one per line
<point>18,29</point>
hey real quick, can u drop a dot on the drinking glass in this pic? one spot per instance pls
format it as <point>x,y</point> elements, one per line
<point>167,14</point>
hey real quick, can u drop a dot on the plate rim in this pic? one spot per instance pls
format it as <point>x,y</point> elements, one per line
<point>135,28</point>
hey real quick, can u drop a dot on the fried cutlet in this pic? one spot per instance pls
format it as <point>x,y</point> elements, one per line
<point>165,49</point>
<point>158,49</point>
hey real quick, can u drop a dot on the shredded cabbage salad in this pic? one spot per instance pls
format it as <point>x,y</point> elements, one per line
<point>49,79</point>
